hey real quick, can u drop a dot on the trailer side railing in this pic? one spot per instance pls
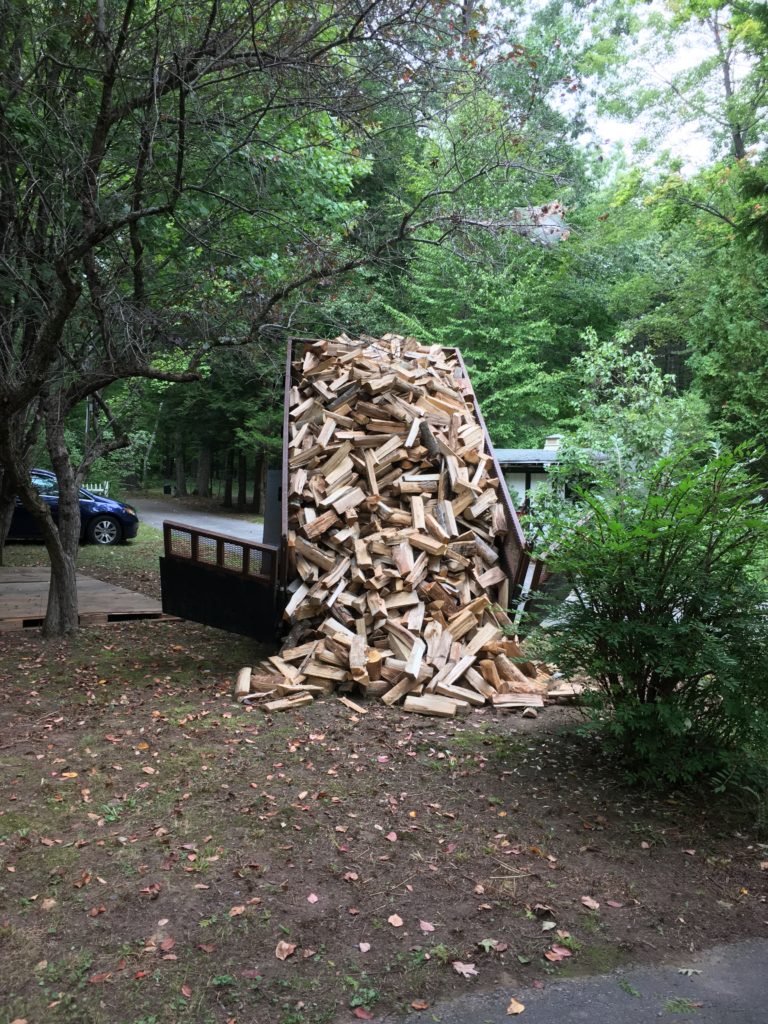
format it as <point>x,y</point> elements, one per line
<point>221,581</point>
<point>208,548</point>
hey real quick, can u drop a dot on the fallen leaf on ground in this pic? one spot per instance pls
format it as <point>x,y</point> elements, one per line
<point>167,944</point>
<point>392,837</point>
<point>362,1014</point>
<point>615,904</point>
<point>561,951</point>
<point>419,1004</point>
<point>426,926</point>
<point>312,898</point>
<point>515,1007</point>
<point>95,911</point>
<point>590,903</point>
<point>465,970</point>
<point>48,904</point>
<point>96,979</point>
<point>395,920</point>
<point>285,949</point>
<point>237,911</point>
<point>363,946</point>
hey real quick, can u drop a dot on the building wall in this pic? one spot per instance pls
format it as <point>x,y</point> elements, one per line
<point>519,482</point>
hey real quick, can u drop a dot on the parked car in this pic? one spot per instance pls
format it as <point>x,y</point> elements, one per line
<point>102,520</point>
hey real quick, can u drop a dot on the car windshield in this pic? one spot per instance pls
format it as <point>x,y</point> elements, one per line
<point>49,486</point>
<point>46,484</point>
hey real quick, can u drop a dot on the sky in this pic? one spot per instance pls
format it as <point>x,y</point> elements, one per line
<point>688,136</point>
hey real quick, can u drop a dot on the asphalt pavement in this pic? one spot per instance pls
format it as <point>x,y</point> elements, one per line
<point>725,985</point>
<point>154,511</point>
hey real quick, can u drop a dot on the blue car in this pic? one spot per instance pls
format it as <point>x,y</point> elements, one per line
<point>102,520</point>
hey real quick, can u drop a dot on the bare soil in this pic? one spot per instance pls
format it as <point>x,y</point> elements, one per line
<point>205,833</point>
<point>158,843</point>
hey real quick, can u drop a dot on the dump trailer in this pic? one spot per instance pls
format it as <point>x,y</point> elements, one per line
<point>244,587</point>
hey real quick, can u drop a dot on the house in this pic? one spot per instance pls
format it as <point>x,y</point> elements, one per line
<point>526,468</point>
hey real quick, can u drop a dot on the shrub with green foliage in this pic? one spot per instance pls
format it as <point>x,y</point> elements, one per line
<point>668,613</point>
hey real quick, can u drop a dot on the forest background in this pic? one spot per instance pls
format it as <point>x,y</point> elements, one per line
<point>666,247</point>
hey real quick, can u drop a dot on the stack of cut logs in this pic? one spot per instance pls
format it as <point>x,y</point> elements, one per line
<point>398,592</point>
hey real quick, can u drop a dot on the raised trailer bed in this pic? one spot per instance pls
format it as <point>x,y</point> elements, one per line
<point>244,587</point>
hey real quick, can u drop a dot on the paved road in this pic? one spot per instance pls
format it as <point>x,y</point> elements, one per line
<point>155,510</point>
<point>731,988</point>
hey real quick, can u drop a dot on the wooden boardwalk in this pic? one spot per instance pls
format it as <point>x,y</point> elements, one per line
<point>24,595</point>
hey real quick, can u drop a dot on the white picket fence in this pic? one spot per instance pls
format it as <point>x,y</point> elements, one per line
<point>100,489</point>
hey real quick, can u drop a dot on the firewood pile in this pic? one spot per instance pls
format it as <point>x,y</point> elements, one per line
<point>398,590</point>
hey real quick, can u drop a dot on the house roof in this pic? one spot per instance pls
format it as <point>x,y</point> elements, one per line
<point>526,456</point>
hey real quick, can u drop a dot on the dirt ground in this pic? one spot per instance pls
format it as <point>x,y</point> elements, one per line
<point>159,844</point>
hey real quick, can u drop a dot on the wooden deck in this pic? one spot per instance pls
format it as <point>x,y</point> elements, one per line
<point>24,595</point>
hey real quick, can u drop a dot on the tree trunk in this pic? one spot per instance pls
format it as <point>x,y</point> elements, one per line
<point>179,467</point>
<point>256,500</point>
<point>150,446</point>
<point>204,471</point>
<point>7,503</point>
<point>229,472</point>
<point>17,439</point>
<point>242,479</point>
<point>62,539</point>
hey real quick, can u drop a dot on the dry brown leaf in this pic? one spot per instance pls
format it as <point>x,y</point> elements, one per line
<point>590,903</point>
<point>419,1004</point>
<point>237,911</point>
<point>426,926</point>
<point>363,946</point>
<point>515,1007</point>
<point>465,970</point>
<point>285,949</point>
<point>395,920</point>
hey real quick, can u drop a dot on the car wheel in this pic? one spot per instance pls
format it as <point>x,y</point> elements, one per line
<point>105,530</point>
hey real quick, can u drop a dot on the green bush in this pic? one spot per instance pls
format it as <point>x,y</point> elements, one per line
<point>668,613</point>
